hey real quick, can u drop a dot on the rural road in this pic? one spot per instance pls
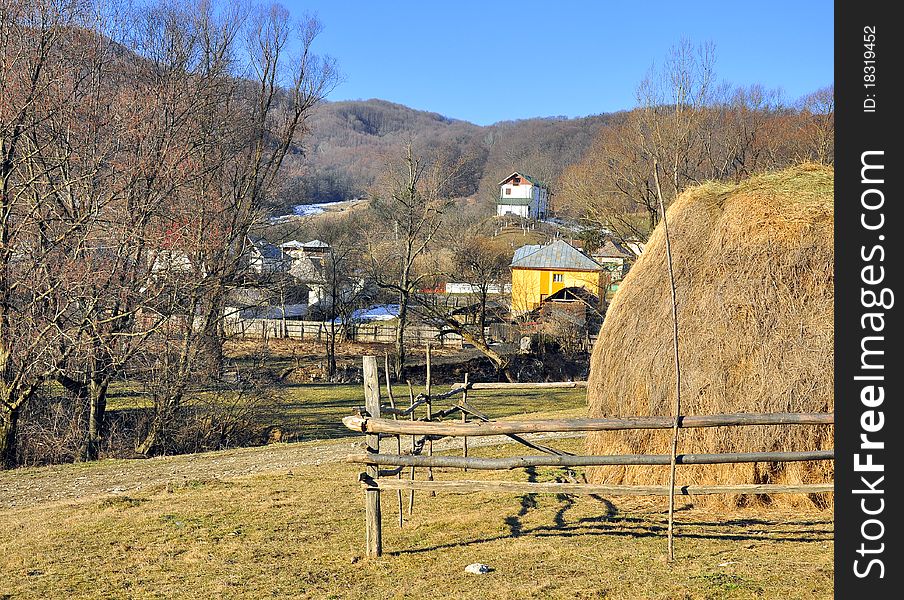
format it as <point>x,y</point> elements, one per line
<point>35,486</point>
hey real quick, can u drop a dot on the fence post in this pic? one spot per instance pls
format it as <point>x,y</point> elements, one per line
<point>429,417</point>
<point>464,418</point>
<point>373,524</point>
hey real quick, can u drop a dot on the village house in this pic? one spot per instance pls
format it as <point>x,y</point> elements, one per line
<point>538,272</point>
<point>613,257</point>
<point>522,196</point>
<point>305,262</point>
<point>315,250</point>
<point>263,257</point>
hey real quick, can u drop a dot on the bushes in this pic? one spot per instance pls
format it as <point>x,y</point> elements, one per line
<point>53,427</point>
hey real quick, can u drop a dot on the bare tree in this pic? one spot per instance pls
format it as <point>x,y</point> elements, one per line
<point>344,275</point>
<point>255,100</point>
<point>818,128</point>
<point>484,267</point>
<point>410,206</point>
<point>55,174</point>
<point>670,121</point>
<point>686,130</point>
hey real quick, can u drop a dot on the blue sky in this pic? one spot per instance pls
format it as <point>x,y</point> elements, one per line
<point>473,60</point>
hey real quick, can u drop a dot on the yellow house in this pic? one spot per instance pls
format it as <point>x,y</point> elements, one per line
<point>540,271</point>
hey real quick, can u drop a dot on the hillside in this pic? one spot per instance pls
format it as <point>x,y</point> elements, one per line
<point>349,141</point>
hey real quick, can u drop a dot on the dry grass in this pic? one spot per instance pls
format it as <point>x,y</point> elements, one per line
<point>754,278</point>
<point>299,535</point>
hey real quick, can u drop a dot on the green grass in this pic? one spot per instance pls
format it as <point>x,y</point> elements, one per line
<point>300,534</point>
<point>315,411</point>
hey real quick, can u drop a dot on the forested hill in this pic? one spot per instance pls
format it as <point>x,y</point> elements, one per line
<point>350,141</point>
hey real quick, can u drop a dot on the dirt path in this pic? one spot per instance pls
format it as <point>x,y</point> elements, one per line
<point>31,487</point>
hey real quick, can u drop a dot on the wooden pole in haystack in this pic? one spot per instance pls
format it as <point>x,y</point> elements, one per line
<point>373,520</point>
<point>394,418</point>
<point>676,409</point>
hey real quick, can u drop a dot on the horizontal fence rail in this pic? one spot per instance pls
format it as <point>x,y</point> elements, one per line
<point>547,460</point>
<point>255,328</point>
<point>525,386</point>
<point>524,487</point>
<point>369,425</point>
<point>423,431</point>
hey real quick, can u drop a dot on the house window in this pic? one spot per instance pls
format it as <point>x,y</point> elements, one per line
<point>558,277</point>
<point>516,181</point>
<point>508,191</point>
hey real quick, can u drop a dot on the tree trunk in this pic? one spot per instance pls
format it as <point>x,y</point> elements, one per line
<point>97,410</point>
<point>210,342</point>
<point>331,342</point>
<point>210,351</point>
<point>154,438</point>
<point>149,443</point>
<point>331,351</point>
<point>9,419</point>
<point>400,335</point>
<point>482,317</point>
<point>501,362</point>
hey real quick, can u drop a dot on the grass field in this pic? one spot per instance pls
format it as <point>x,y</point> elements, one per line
<point>227,524</point>
<point>299,534</point>
<point>314,411</point>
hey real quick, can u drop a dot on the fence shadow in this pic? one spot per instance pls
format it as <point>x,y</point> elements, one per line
<point>612,524</point>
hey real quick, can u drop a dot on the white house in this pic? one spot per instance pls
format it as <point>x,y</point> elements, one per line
<point>305,263</point>
<point>522,196</point>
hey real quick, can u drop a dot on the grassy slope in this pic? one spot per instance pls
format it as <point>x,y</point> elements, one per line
<point>299,535</point>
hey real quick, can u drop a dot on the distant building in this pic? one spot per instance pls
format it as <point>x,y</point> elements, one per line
<point>305,262</point>
<point>315,250</point>
<point>541,271</point>
<point>470,288</point>
<point>522,196</point>
<point>263,257</point>
<point>613,257</point>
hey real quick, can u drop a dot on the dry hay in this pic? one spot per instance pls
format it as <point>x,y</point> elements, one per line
<point>754,276</point>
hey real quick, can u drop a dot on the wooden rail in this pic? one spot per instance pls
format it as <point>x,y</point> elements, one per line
<point>525,487</point>
<point>369,422</point>
<point>525,386</point>
<point>518,462</point>
<point>371,425</point>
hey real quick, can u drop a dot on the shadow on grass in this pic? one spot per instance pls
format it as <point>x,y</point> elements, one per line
<point>528,501</point>
<point>611,524</point>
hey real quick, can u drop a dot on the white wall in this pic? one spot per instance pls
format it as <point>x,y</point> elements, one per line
<point>318,296</point>
<point>258,264</point>
<point>518,191</point>
<point>467,288</point>
<point>504,209</point>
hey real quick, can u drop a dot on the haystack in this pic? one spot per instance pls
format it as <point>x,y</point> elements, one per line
<point>754,276</point>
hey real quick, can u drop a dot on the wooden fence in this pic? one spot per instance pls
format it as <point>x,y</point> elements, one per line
<point>319,331</point>
<point>371,421</point>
